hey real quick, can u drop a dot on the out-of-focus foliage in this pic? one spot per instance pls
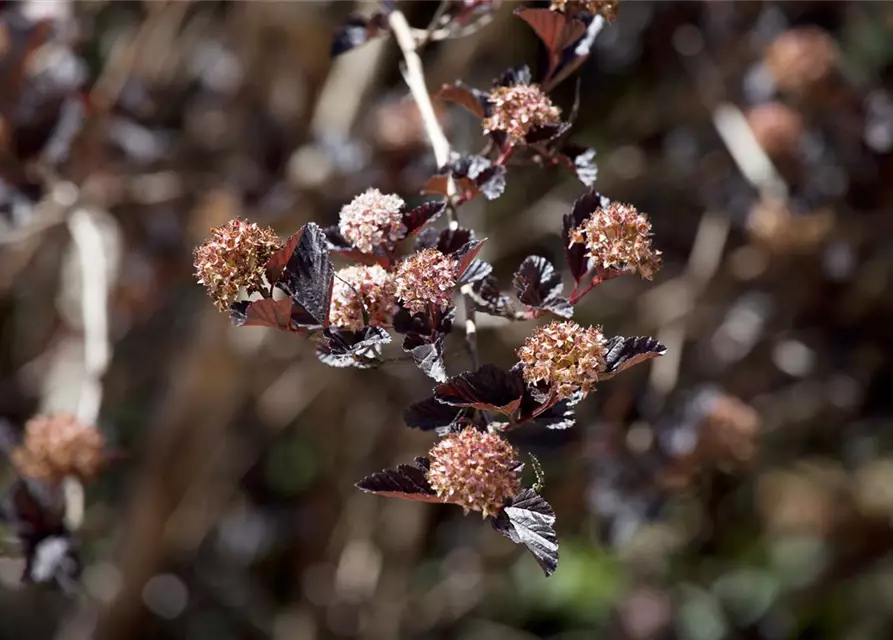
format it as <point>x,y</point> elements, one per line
<point>739,486</point>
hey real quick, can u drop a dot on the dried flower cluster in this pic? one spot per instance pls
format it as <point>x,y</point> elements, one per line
<point>518,109</point>
<point>607,8</point>
<point>475,470</point>
<point>801,59</point>
<point>372,220</point>
<point>619,237</point>
<point>426,278</point>
<point>233,257</point>
<point>564,356</point>
<point>359,289</point>
<point>58,446</point>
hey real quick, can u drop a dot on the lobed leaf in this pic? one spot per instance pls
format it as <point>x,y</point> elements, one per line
<point>623,353</point>
<point>407,481</point>
<point>489,388</point>
<point>530,520</point>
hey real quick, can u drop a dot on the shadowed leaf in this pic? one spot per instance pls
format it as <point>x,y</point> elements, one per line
<point>516,75</point>
<point>472,174</point>
<point>556,30</point>
<point>276,264</point>
<point>466,255</point>
<point>477,270</point>
<point>429,414</point>
<point>308,275</point>
<point>352,348</point>
<point>623,353</point>
<point>475,100</point>
<point>539,285</point>
<point>585,206</point>
<point>489,388</point>
<point>279,314</point>
<point>581,160</point>
<point>428,355</point>
<point>415,219</point>
<point>547,133</point>
<point>530,521</point>
<point>489,299</point>
<point>407,481</point>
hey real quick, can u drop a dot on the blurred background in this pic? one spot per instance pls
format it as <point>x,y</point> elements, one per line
<point>739,487</point>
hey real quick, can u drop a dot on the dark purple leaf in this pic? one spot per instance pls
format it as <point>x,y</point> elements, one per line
<point>582,161</point>
<point>407,323</point>
<point>489,299</point>
<point>623,353</point>
<point>276,264</point>
<point>556,30</point>
<point>539,285</point>
<point>355,31</point>
<point>547,133</point>
<point>427,238</point>
<point>429,414</point>
<point>530,520</point>
<point>561,415</point>
<point>407,481</point>
<point>415,219</point>
<point>584,207</point>
<point>516,75</point>
<point>334,240</point>
<point>308,275</point>
<point>451,240</point>
<point>473,175</point>
<point>352,348</point>
<point>474,100</point>
<point>489,388</point>
<point>476,271</point>
<point>536,281</point>
<point>466,255</point>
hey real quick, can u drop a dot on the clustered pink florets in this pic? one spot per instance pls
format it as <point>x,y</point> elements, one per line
<point>564,356</point>
<point>619,237</point>
<point>235,256</point>
<point>517,109</point>
<point>360,288</point>
<point>426,278</point>
<point>607,8</point>
<point>58,446</point>
<point>475,470</point>
<point>372,220</point>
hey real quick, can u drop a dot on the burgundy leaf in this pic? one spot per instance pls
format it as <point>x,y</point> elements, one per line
<point>415,219</point>
<point>427,238</point>
<point>407,323</point>
<point>279,314</point>
<point>556,30</point>
<point>537,281</point>
<point>437,185</point>
<point>466,254</point>
<point>623,353</point>
<point>489,388</point>
<point>474,100</point>
<point>584,207</point>
<point>451,240</point>
<point>429,414</point>
<point>581,160</point>
<point>530,520</point>
<point>476,271</point>
<point>309,274</point>
<point>547,133</point>
<point>407,481</point>
<point>276,264</point>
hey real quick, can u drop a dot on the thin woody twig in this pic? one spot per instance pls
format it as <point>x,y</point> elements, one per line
<point>414,75</point>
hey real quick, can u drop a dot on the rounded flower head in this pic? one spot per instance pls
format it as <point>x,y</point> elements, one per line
<point>373,219</point>
<point>517,109</point>
<point>618,236</point>
<point>358,288</point>
<point>427,277</point>
<point>564,356</point>
<point>234,256</point>
<point>801,59</point>
<point>58,446</point>
<point>475,470</point>
<point>607,8</point>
